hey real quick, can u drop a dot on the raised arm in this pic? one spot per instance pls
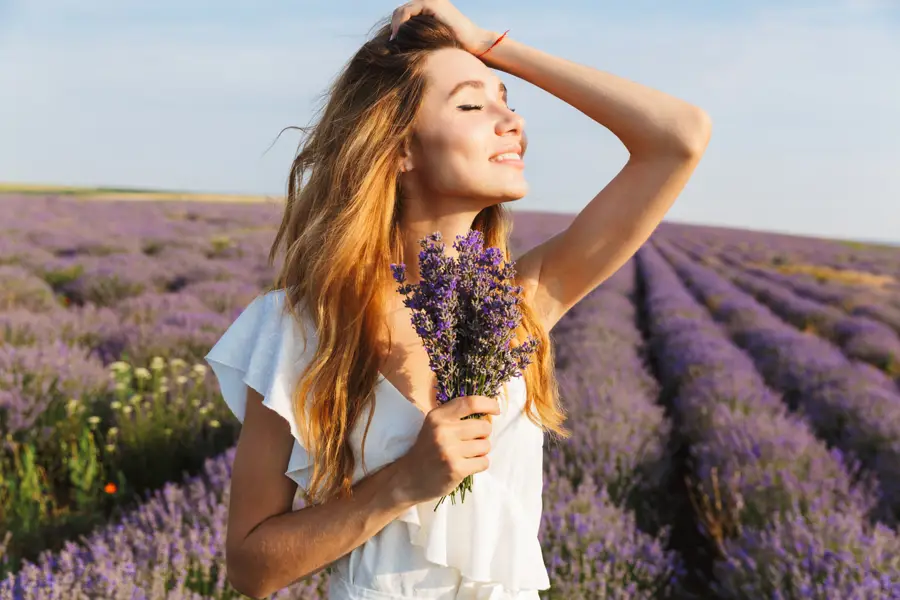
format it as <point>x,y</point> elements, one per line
<point>665,137</point>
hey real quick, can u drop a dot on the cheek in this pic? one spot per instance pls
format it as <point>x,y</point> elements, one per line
<point>454,154</point>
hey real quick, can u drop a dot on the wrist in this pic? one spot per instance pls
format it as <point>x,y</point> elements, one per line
<point>485,39</point>
<point>402,496</point>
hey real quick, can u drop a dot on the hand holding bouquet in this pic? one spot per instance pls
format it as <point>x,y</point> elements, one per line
<point>466,313</point>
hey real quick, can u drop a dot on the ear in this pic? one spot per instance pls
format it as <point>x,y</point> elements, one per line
<point>406,159</point>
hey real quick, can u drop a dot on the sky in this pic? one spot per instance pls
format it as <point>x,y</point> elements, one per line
<point>193,95</point>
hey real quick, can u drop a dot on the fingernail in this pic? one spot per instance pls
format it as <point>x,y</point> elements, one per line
<point>392,37</point>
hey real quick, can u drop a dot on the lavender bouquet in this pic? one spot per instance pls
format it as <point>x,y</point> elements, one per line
<point>465,310</point>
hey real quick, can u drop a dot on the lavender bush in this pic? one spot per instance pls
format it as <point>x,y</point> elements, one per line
<point>602,531</point>
<point>860,337</point>
<point>852,261</point>
<point>754,466</point>
<point>846,405</point>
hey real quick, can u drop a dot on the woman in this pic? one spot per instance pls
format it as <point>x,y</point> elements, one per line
<point>417,137</point>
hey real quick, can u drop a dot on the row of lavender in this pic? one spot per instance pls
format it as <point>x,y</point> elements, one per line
<point>769,247</point>
<point>871,302</point>
<point>860,337</point>
<point>172,546</point>
<point>774,504</point>
<point>847,404</point>
<point>863,303</point>
<point>603,530</point>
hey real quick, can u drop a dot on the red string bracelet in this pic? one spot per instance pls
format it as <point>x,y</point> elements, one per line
<point>492,45</point>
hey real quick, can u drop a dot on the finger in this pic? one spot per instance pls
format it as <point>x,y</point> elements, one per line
<point>402,14</point>
<point>477,404</point>
<point>491,405</point>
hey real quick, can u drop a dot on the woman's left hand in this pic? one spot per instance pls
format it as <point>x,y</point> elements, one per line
<point>473,38</point>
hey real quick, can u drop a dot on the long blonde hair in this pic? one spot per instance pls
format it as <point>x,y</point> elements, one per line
<point>340,233</point>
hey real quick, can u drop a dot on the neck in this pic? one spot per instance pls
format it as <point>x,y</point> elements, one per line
<point>414,228</point>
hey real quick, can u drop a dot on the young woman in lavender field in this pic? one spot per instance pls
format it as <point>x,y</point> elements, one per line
<point>328,375</point>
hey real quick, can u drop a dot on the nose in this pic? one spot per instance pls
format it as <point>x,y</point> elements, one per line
<point>510,121</point>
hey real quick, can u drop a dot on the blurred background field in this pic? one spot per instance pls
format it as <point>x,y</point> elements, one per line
<point>734,396</point>
<point>124,194</point>
<point>734,389</point>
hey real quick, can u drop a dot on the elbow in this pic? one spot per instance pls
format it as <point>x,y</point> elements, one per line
<point>253,589</point>
<point>244,575</point>
<point>684,138</point>
<point>696,133</point>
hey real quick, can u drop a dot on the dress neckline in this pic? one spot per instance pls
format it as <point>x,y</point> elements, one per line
<point>413,405</point>
<point>393,388</point>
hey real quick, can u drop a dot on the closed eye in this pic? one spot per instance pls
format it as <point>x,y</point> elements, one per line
<point>468,107</point>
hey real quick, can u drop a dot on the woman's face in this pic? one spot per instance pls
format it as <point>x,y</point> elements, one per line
<point>463,124</point>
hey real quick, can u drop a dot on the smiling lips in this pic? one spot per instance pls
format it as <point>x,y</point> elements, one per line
<point>511,156</point>
<point>509,159</point>
<point>514,149</point>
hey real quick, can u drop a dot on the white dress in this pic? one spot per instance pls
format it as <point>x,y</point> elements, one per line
<point>485,548</point>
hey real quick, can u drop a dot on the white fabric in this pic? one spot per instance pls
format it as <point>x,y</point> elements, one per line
<point>485,548</point>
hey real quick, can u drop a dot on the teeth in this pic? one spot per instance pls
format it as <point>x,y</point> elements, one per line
<point>507,156</point>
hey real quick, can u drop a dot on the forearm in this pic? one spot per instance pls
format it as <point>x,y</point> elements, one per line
<point>292,546</point>
<point>647,121</point>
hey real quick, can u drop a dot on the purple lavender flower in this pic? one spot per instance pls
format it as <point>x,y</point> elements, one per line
<point>466,312</point>
<point>435,311</point>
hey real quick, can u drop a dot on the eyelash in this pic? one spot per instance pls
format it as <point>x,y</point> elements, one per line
<point>468,107</point>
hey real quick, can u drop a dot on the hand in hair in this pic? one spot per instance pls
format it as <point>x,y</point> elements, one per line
<point>473,38</point>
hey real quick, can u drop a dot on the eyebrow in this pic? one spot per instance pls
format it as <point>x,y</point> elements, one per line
<point>477,84</point>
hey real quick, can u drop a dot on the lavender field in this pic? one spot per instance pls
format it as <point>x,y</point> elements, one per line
<point>734,398</point>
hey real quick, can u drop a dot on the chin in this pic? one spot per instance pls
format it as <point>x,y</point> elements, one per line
<point>504,193</point>
<point>517,193</point>
<point>511,191</point>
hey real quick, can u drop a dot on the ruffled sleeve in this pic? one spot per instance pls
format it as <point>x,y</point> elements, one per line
<point>263,349</point>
